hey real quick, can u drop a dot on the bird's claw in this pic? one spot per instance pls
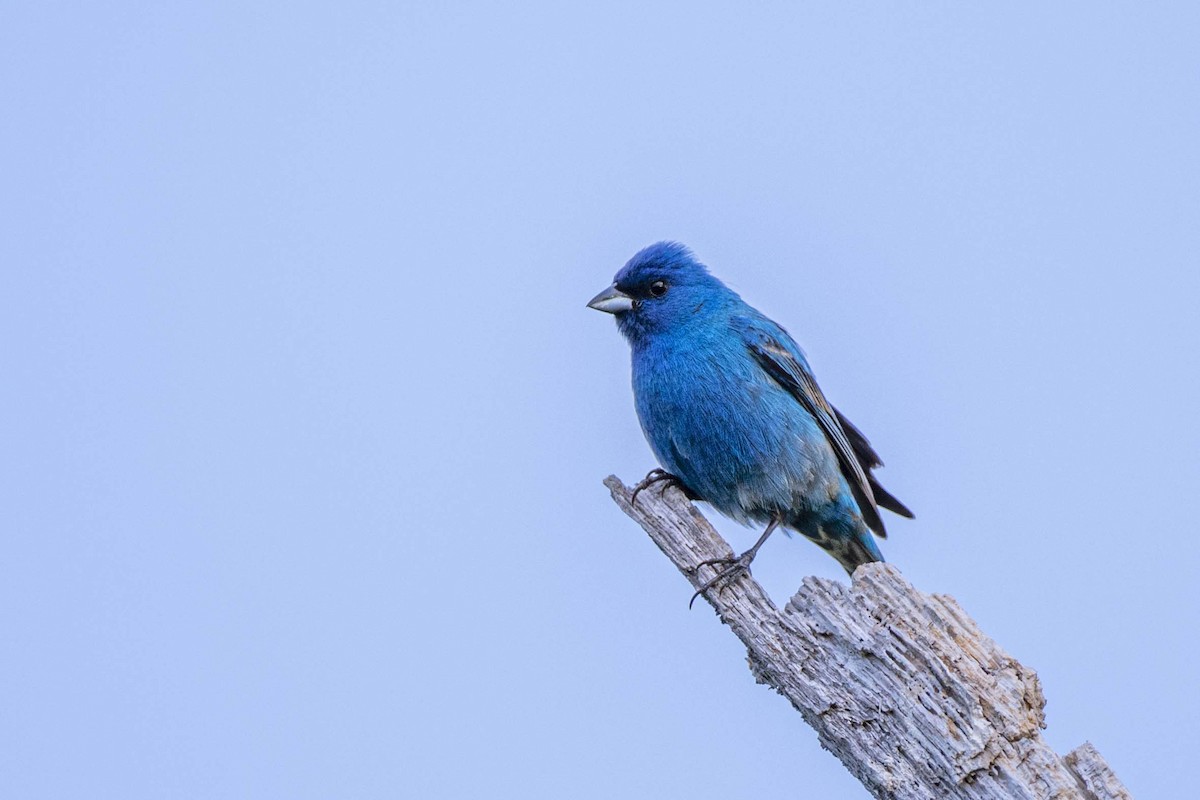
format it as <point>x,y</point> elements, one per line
<point>734,566</point>
<point>654,476</point>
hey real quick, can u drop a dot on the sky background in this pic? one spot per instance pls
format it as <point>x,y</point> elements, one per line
<point>304,418</point>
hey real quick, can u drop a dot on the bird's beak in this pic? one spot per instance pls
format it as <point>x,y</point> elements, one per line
<point>611,301</point>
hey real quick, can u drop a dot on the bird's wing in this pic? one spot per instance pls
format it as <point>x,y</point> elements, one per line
<point>781,358</point>
<point>869,460</point>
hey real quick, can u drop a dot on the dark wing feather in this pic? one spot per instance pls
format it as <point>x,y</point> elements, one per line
<point>782,365</point>
<point>862,448</point>
<point>869,460</point>
<point>854,453</point>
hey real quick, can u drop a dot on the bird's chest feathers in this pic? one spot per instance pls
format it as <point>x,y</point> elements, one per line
<point>702,400</point>
<point>708,402</point>
<point>698,377</point>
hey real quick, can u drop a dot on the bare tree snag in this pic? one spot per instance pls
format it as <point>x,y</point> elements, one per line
<point>902,686</point>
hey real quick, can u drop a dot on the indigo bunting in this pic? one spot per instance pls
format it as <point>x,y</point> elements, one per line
<point>730,407</point>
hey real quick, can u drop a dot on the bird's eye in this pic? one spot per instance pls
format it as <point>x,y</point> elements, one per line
<point>658,288</point>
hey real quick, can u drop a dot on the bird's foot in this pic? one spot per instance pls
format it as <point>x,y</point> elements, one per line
<point>654,476</point>
<point>733,566</point>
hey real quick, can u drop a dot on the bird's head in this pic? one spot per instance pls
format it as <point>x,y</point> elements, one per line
<point>663,287</point>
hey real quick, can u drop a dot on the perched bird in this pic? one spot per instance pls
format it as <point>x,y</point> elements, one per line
<point>730,407</point>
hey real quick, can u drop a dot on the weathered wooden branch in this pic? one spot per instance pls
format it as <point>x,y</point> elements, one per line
<point>902,686</point>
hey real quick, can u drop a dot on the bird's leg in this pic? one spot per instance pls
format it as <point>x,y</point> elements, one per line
<point>654,476</point>
<point>735,565</point>
<point>747,556</point>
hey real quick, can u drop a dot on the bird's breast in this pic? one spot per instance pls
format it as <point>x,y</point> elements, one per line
<point>716,419</point>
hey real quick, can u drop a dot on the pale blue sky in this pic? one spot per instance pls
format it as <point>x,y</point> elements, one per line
<point>305,419</point>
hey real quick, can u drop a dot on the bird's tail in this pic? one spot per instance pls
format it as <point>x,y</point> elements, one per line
<point>852,545</point>
<point>851,551</point>
<point>856,551</point>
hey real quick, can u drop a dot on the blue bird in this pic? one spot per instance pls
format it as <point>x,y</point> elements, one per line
<point>730,407</point>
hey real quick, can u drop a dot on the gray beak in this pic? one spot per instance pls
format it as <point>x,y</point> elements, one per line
<point>612,301</point>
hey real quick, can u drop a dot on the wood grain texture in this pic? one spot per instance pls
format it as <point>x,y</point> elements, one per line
<point>902,686</point>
